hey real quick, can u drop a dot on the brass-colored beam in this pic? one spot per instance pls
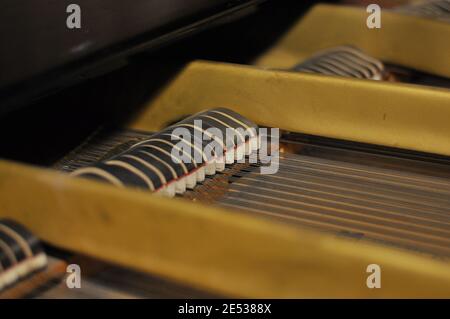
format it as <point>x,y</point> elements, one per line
<point>419,43</point>
<point>207,247</point>
<point>390,114</point>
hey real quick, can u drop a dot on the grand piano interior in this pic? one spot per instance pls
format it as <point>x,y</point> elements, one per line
<point>364,166</point>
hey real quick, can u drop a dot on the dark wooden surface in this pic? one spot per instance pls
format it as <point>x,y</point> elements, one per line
<point>35,43</point>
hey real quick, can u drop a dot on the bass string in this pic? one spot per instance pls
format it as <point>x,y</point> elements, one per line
<point>346,195</point>
<point>293,160</point>
<point>255,185</point>
<point>431,232</point>
<point>398,241</point>
<point>385,212</point>
<point>413,195</point>
<point>344,191</point>
<point>306,216</point>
